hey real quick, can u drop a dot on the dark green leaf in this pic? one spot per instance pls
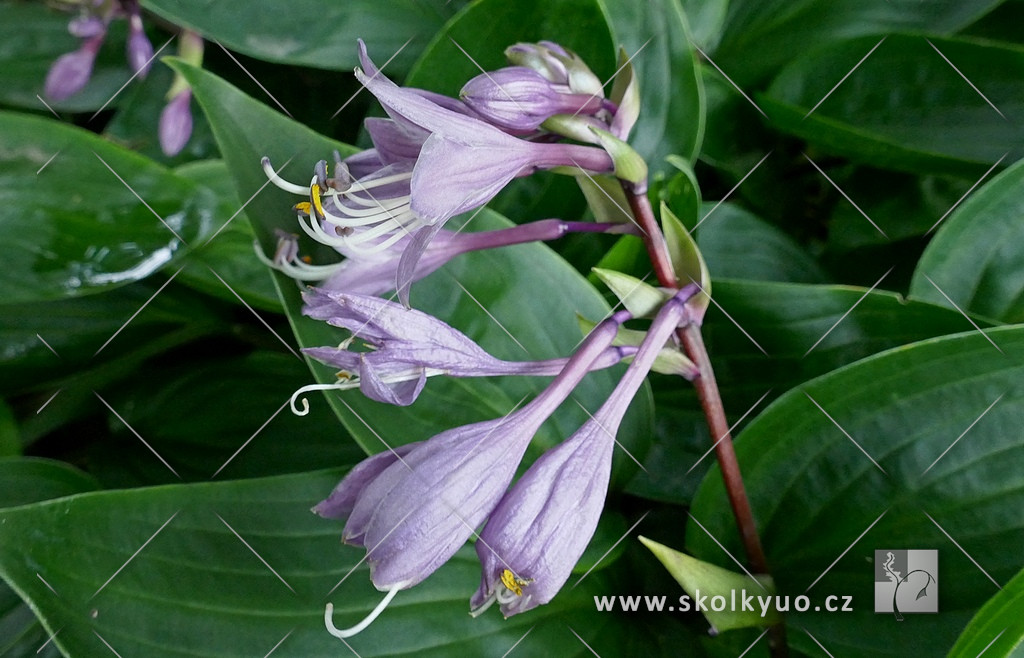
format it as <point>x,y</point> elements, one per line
<point>905,107</point>
<point>312,33</point>
<point>224,418</point>
<point>83,215</point>
<point>706,19</point>
<point>940,422</point>
<point>10,439</point>
<point>998,628</point>
<point>761,36</point>
<point>739,245</point>
<point>671,91</point>
<point>196,588</point>
<point>977,255</point>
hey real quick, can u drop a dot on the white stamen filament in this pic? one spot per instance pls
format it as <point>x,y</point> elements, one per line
<point>297,269</point>
<point>352,381</point>
<point>383,180</point>
<point>365,251</point>
<point>370,209</point>
<point>340,386</point>
<point>394,225</point>
<point>268,169</point>
<point>349,632</point>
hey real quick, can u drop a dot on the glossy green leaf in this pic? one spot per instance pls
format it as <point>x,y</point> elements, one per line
<point>199,584</point>
<point>704,581</point>
<point>913,448</point>
<point>905,107</point>
<point>10,440</point>
<point>739,245</point>
<point>83,215</point>
<point>224,266</point>
<point>24,481</point>
<point>765,338</point>
<point>32,37</point>
<point>976,259</point>
<point>761,36</point>
<point>312,33</point>
<point>672,107</point>
<point>706,19</point>
<point>998,628</point>
<point>499,313</point>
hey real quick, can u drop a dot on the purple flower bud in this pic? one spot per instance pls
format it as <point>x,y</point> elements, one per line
<point>407,346</point>
<point>176,123</point>
<point>71,72</point>
<point>558,65</point>
<point>138,48</point>
<point>543,524</point>
<point>519,99</point>
<point>415,509</point>
<point>86,26</point>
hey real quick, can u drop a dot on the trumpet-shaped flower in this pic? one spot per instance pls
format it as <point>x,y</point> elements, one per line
<point>543,524</point>
<point>407,346</point>
<point>413,508</point>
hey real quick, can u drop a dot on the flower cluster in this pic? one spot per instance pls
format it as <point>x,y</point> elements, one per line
<point>70,73</point>
<point>413,506</point>
<point>435,157</point>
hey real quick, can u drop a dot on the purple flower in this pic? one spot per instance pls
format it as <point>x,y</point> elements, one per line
<point>557,65</point>
<point>543,524</point>
<point>138,48</point>
<point>71,71</point>
<point>415,507</point>
<point>519,99</point>
<point>406,346</point>
<point>176,123</point>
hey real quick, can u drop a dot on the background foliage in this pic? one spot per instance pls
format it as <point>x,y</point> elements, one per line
<point>862,219</point>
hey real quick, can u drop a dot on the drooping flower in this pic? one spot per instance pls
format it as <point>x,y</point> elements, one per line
<point>413,509</point>
<point>541,527</point>
<point>406,346</point>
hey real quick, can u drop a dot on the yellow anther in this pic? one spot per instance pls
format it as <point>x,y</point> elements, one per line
<point>513,583</point>
<point>303,207</point>
<point>314,194</point>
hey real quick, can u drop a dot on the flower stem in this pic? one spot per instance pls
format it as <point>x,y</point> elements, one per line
<point>710,401</point>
